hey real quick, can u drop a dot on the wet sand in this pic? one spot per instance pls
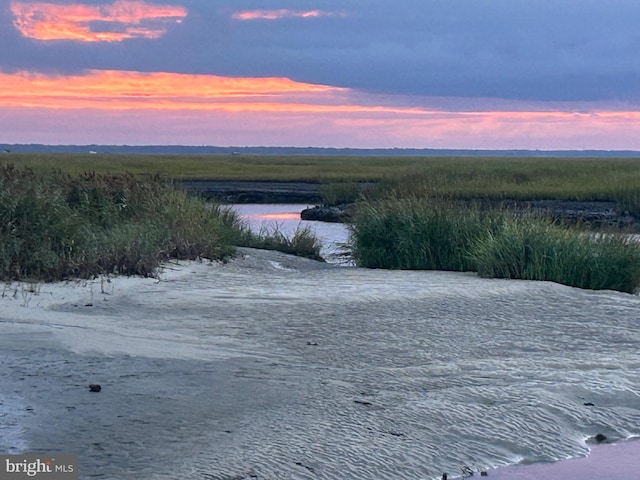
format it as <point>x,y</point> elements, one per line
<point>278,367</point>
<point>605,462</point>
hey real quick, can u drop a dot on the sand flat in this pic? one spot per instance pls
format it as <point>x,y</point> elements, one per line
<point>281,367</point>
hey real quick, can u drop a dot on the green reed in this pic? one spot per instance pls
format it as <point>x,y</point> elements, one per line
<point>55,226</point>
<point>419,233</point>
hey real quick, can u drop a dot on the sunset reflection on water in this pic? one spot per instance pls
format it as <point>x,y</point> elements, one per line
<point>286,219</point>
<point>282,216</point>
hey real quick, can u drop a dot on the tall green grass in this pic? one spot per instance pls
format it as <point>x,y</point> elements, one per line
<point>540,250</point>
<point>55,226</point>
<point>413,233</point>
<point>419,233</point>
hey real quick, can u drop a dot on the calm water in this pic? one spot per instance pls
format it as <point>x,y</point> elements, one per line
<point>286,218</point>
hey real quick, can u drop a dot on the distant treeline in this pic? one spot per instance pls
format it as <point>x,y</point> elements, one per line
<point>399,152</point>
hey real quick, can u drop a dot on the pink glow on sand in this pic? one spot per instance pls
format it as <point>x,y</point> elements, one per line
<point>48,21</point>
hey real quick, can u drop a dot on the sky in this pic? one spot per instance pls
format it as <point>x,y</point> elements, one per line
<point>476,74</point>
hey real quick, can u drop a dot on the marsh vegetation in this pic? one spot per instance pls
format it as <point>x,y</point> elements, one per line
<point>408,216</point>
<point>582,179</point>
<point>303,242</point>
<point>427,234</point>
<point>56,225</point>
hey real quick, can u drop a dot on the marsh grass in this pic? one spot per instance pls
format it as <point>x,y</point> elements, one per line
<point>414,233</point>
<point>540,250</point>
<point>614,179</point>
<point>419,233</point>
<point>338,193</point>
<point>302,168</point>
<point>55,226</point>
<point>303,242</point>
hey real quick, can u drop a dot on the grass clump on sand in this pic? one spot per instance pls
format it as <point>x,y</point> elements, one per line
<point>540,250</point>
<point>413,233</point>
<point>303,242</point>
<point>56,226</point>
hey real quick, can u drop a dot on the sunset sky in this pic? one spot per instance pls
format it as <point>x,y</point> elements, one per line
<point>478,74</point>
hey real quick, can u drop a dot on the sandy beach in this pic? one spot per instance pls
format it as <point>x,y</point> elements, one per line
<point>273,366</point>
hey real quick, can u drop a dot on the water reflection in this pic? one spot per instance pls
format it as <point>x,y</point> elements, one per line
<point>286,218</point>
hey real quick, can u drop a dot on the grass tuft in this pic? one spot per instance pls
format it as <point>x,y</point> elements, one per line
<point>303,242</point>
<point>414,233</point>
<point>540,250</point>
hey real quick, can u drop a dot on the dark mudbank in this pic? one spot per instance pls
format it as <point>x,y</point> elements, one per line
<point>597,214</point>
<point>254,192</point>
<point>323,213</point>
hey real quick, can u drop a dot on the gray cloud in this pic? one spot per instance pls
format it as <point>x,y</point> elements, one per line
<point>558,50</point>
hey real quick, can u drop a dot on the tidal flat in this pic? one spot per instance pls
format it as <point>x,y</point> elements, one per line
<point>273,366</point>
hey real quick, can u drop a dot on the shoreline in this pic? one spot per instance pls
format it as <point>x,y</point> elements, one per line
<point>610,461</point>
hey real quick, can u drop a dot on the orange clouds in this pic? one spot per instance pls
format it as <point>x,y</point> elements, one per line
<point>122,20</point>
<point>280,14</point>
<point>122,90</point>
<point>206,109</point>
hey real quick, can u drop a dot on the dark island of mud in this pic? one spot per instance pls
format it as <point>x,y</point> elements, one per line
<point>595,214</point>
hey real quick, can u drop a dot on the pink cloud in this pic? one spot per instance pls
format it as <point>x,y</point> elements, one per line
<point>282,13</point>
<point>79,22</point>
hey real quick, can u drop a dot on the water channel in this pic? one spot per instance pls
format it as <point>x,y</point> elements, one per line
<point>286,218</point>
